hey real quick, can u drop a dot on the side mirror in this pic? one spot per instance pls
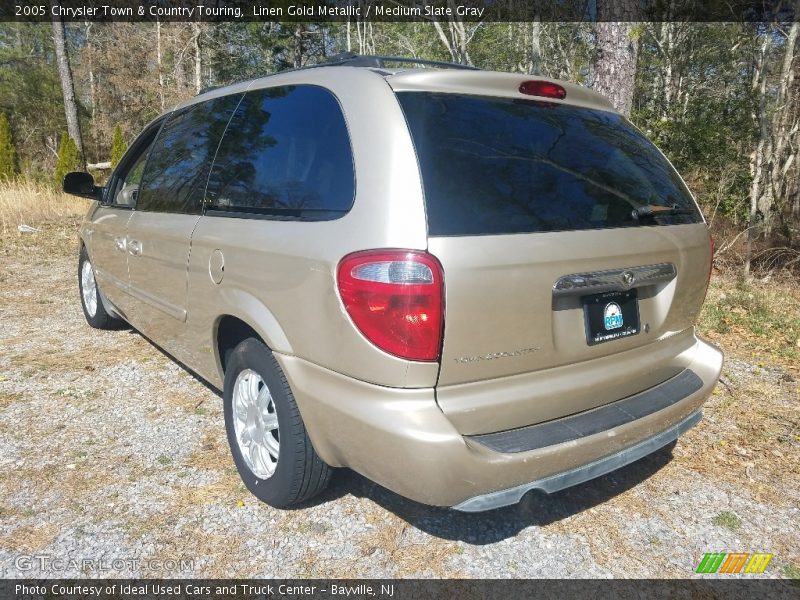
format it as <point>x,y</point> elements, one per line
<point>81,184</point>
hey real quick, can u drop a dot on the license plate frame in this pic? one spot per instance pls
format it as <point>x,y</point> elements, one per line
<point>600,317</point>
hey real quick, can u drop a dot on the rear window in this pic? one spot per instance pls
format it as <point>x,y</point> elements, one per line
<point>498,166</point>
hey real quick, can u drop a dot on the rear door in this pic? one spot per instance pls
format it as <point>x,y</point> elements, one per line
<point>169,205</point>
<point>534,212</point>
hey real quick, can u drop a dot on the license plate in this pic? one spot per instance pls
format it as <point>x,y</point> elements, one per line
<point>610,316</point>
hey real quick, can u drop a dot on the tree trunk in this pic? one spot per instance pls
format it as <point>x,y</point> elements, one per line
<point>90,53</point>
<point>615,64</point>
<point>67,86</point>
<point>457,39</point>
<point>757,158</point>
<point>160,65</point>
<point>785,125</point>
<point>198,58</point>
<point>298,49</point>
<point>536,47</point>
<point>616,50</point>
<point>92,85</point>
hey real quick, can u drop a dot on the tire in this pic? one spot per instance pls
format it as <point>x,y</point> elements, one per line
<point>93,308</point>
<point>293,474</point>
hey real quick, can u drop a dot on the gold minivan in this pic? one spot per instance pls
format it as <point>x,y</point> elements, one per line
<point>463,284</point>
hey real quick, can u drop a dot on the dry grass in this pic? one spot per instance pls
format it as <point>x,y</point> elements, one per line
<point>754,319</point>
<point>9,398</point>
<point>750,437</point>
<point>25,202</point>
<point>30,538</point>
<point>389,542</point>
<point>83,360</point>
<point>54,216</point>
<point>753,425</point>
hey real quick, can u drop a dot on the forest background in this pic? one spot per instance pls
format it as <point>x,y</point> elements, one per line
<point>721,100</point>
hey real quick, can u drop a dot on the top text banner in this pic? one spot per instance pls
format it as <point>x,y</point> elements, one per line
<point>397,10</point>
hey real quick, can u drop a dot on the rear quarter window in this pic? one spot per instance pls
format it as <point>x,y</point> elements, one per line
<point>498,166</point>
<point>286,154</point>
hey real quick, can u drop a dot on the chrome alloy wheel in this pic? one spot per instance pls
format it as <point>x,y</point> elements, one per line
<point>89,288</point>
<point>255,422</point>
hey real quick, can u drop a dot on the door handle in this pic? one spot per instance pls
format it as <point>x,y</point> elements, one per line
<point>135,247</point>
<point>121,243</point>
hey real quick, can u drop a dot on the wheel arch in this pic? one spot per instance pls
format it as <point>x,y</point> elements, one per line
<point>230,329</point>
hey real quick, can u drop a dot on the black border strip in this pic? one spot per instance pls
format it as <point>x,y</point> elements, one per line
<point>733,588</point>
<point>471,11</point>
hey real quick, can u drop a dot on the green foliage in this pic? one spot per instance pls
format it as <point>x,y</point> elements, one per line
<point>118,146</point>
<point>727,519</point>
<point>704,123</point>
<point>68,159</point>
<point>30,93</point>
<point>8,155</point>
<point>792,572</point>
<point>693,91</point>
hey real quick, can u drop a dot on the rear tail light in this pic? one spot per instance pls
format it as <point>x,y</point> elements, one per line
<point>396,299</point>
<point>545,89</point>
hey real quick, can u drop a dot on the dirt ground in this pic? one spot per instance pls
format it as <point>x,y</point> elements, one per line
<point>109,451</point>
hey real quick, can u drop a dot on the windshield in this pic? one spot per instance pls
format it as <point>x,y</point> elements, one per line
<point>496,165</point>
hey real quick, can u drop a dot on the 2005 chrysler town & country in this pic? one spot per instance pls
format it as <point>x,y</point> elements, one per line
<point>462,284</point>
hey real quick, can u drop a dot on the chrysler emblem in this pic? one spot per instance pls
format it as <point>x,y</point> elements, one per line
<point>628,278</point>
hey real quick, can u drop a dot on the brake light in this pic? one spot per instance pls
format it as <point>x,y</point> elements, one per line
<point>396,299</point>
<point>545,89</point>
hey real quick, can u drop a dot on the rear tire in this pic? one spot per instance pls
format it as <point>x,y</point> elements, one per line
<point>266,434</point>
<point>91,301</point>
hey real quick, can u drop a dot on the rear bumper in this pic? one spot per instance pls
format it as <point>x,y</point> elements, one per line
<point>566,479</point>
<point>401,439</point>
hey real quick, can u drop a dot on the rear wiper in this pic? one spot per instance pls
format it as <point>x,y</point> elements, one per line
<point>648,210</point>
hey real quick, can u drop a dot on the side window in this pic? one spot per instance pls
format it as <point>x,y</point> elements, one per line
<point>286,153</point>
<point>177,171</point>
<point>128,189</point>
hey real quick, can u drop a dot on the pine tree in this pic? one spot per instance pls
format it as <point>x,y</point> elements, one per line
<point>8,156</point>
<point>68,159</point>
<point>118,146</point>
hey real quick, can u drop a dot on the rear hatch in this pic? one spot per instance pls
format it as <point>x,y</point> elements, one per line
<point>565,237</point>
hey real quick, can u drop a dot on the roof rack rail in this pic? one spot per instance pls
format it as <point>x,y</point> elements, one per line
<point>361,60</point>
<point>375,61</point>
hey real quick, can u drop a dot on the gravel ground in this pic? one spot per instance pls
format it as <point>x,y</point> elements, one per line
<point>108,450</point>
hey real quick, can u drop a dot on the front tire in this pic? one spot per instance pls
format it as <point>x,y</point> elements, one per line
<point>266,434</point>
<point>93,308</point>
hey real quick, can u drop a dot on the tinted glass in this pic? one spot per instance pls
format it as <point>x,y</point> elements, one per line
<point>286,153</point>
<point>495,166</point>
<point>128,188</point>
<point>177,171</point>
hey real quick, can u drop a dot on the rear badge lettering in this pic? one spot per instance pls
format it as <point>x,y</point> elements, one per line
<point>496,355</point>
